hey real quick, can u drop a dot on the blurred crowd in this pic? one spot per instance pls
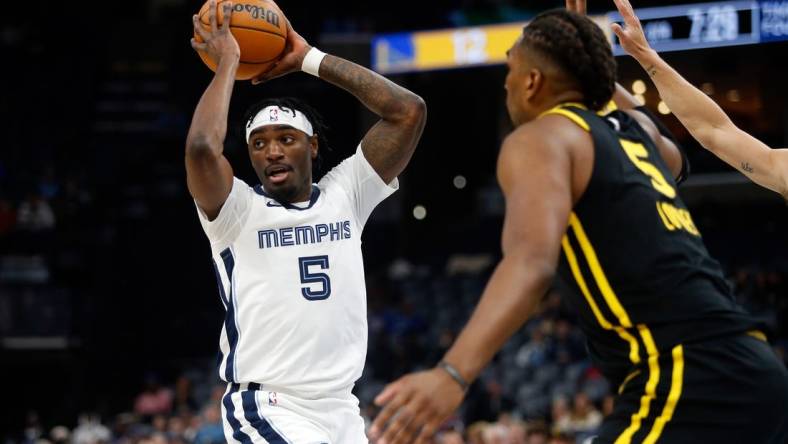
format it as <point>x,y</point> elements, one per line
<point>540,389</point>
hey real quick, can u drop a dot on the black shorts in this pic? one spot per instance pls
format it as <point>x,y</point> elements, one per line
<point>728,390</point>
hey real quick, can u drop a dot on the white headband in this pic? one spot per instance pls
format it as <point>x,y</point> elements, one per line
<point>274,115</point>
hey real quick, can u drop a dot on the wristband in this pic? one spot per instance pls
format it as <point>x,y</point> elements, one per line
<point>455,375</point>
<point>312,61</point>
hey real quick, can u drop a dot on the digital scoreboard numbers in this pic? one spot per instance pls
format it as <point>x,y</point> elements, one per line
<point>695,26</point>
<point>668,28</point>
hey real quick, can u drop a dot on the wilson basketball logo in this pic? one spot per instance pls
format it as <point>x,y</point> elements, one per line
<point>258,26</point>
<point>258,13</point>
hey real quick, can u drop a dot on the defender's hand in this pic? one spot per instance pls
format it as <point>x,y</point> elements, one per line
<point>219,42</point>
<point>292,57</point>
<point>631,36</point>
<point>414,407</point>
<point>578,6</point>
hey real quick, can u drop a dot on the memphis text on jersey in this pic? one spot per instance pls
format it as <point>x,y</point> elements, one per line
<point>304,235</point>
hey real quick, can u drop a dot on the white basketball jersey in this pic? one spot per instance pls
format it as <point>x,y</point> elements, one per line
<point>292,282</point>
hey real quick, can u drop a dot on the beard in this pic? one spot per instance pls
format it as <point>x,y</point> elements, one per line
<point>290,191</point>
<point>284,194</point>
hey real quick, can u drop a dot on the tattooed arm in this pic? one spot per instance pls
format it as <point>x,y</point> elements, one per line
<point>704,119</point>
<point>389,145</point>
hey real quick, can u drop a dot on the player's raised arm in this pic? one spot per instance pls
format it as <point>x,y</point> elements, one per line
<point>666,142</point>
<point>704,119</point>
<point>535,174</point>
<point>389,145</point>
<point>208,173</point>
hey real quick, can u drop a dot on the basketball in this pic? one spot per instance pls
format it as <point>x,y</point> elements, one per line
<point>260,29</point>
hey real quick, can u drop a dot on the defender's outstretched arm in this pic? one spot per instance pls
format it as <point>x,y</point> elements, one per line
<point>704,119</point>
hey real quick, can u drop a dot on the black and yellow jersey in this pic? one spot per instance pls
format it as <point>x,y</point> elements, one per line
<point>641,278</point>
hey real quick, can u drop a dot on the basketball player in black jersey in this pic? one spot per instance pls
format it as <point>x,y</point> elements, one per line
<point>592,199</point>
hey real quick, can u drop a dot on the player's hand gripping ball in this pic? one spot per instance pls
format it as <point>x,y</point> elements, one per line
<point>258,26</point>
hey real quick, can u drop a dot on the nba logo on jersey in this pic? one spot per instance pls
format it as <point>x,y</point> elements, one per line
<point>273,115</point>
<point>272,398</point>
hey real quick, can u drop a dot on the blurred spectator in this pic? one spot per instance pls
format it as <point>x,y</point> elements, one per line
<point>518,433</point>
<point>177,428</point>
<point>156,438</point>
<point>535,353</point>
<point>184,399</point>
<point>568,345</point>
<point>33,430</point>
<point>562,421</point>
<point>495,434</point>
<point>154,399</point>
<point>537,433</point>
<point>90,431</point>
<point>159,423</point>
<point>123,425</point>
<point>60,435</point>
<point>562,439</point>
<point>607,405</point>
<point>211,431</point>
<point>449,437</point>
<point>476,432</point>
<point>585,417</point>
<point>35,214</point>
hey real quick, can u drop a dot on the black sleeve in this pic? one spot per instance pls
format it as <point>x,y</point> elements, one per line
<point>685,165</point>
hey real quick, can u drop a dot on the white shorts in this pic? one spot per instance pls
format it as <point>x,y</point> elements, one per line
<point>252,414</point>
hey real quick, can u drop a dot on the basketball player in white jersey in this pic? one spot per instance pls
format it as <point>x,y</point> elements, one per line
<point>288,252</point>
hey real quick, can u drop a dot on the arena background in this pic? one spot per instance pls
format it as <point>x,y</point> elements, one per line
<point>108,311</point>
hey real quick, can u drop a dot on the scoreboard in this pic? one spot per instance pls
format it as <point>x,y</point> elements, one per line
<point>668,28</point>
<point>774,20</point>
<point>696,26</point>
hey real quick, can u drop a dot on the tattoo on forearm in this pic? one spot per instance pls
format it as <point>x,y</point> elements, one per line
<point>379,94</point>
<point>651,70</point>
<point>747,168</point>
<point>389,144</point>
